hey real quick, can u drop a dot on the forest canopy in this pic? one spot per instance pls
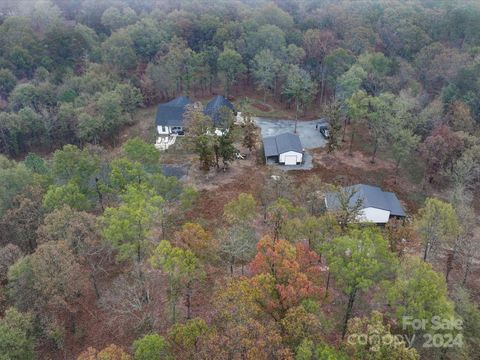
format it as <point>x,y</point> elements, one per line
<point>105,255</point>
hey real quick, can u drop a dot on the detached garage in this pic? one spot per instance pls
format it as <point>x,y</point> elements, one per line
<point>377,206</point>
<point>284,149</point>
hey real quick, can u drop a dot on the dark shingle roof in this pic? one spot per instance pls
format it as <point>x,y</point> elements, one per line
<point>214,106</point>
<point>279,144</point>
<point>372,196</point>
<point>396,208</point>
<point>177,171</point>
<point>270,146</point>
<point>171,113</point>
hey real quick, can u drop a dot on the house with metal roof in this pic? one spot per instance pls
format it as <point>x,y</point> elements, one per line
<point>170,115</point>
<point>377,206</point>
<point>284,148</point>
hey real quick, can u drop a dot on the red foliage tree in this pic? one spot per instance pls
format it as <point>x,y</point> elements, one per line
<point>289,274</point>
<point>440,151</point>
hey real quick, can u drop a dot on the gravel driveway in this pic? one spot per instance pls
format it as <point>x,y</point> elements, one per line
<point>309,136</point>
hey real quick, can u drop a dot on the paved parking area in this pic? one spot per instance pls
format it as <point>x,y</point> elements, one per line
<point>309,136</point>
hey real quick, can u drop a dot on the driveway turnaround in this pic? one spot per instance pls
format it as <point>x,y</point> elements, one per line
<point>309,136</point>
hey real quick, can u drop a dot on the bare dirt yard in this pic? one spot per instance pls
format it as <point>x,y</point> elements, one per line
<point>342,169</point>
<point>218,188</point>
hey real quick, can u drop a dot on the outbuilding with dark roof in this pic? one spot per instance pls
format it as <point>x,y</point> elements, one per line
<point>377,206</point>
<point>284,148</point>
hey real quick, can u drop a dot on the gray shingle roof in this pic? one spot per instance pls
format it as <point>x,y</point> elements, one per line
<point>279,144</point>
<point>372,196</point>
<point>214,106</point>
<point>270,146</point>
<point>396,208</point>
<point>171,113</point>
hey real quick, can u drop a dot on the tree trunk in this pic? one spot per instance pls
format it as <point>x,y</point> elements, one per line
<point>216,150</point>
<point>274,88</point>
<point>94,283</point>
<point>397,168</point>
<point>99,194</point>
<point>189,302</point>
<point>73,323</point>
<point>443,353</point>
<point>375,148</point>
<point>5,142</point>
<point>450,260</point>
<point>344,129</point>
<point>173,303</point>
<point>348,313</point>
<point>350,151</point>
<point>322,86</point>
<point>328,284</point>
<point>467,271</point>
<point>139,252</point>
<point>296,115</point>
<point>174,312</point>
<point>425,252</point>
<point>32,244</point>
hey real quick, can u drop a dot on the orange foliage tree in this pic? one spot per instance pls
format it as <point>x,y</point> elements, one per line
<point>272,311</point>
<point>287,274</point>
<point>195,238</point>
<point>243,329</point>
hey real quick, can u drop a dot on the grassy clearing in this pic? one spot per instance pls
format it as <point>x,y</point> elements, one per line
<point>247,104</point>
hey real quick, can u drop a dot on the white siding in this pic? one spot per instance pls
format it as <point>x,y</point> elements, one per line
<point>163,129</point>
<point>374,215</point>
<point>290,153</point>
<point>218,132</point>
<point>291,160</point>
<point>167,130</point>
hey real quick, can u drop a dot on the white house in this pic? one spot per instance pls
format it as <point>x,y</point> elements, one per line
<point>170,115</point>
<point>169,118</point>
<point>284,149</point>
<point>377,206</point>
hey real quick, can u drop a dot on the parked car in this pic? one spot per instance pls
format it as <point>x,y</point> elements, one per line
<point>324,130</point>
<point>178,131</point>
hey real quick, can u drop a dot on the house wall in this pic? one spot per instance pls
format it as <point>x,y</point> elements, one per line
<point>220,132</point>
<point>166,130</point>
<point>374,215</point>
<point>163,130</point>
<point>288,153</point>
